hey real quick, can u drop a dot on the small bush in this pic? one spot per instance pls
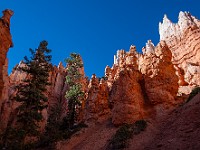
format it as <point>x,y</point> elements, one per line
<point>48,140</point>
<point>125,132</point>
<point>139,126</point>
<point>57,128</point>
<point>194,92</point>
<point>11,139</point>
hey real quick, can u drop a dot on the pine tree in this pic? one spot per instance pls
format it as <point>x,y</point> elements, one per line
<point>31,92</point>
<point>75,93</point>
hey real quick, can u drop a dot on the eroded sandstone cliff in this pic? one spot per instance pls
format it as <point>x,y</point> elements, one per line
<point>137,86</point>
<point>183,39</point>
<point>97,106</point>
<point>5,44</point>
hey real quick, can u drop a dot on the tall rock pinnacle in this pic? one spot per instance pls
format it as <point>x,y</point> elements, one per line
<point>5,44</point>
<point>169,29</point>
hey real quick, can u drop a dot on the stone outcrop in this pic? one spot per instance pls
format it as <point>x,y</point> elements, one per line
<point>138,80</point>
<point>126,97</point>
<point>183,39</point>
<point>160,79</point>
<point>5,44</point>
<point>97,104</point>
<point>56,89</point>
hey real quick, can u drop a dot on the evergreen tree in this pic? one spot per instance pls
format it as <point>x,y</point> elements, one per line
<point>75,93</point>
<point>31,92</point>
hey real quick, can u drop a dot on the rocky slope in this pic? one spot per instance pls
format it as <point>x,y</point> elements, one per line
<point>178,130</point>
<point>92,138</point>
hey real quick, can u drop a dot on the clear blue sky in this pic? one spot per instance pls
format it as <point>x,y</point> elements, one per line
<point>94,28</point>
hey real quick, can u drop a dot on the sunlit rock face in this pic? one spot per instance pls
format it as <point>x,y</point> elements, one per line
<point>159,74</point>
<point>5,44</point>
<point>183,39</point>
<point>149,48</point>
<point>168,29</point>
<point>137,80</point>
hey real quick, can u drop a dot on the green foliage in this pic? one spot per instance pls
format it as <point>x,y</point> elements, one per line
<point>13,140</point>
<point>125,132</point>
<point>74,94</point>
<point>30,93</point>
<point>10,140</point>
<point>59,128</point>
<point>69,132</point>
<point>194,92</point>
<point>52,131</point>
<point>56,133</point>
<point>74,63</point>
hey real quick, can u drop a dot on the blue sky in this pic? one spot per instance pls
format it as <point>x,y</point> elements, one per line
<point>96,29</point>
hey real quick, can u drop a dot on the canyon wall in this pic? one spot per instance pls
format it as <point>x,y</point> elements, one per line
<point>137,86</point>
<point>56,92</point>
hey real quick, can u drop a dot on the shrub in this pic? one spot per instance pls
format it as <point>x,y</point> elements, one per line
<point>125,132</point>
<point>194,92</point>
<point>48,139</point>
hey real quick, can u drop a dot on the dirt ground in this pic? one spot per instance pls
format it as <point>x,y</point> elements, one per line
<point>94,137</point>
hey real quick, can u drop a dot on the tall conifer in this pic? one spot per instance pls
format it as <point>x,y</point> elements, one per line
<point>31,92</point>
<point>75,94</point>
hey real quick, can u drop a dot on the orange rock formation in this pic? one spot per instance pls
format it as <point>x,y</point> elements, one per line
<point>5,44</point>
<point>134,83</point>
<point>183,39</point>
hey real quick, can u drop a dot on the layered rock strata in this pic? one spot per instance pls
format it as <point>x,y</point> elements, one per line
<point>183,39</point>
